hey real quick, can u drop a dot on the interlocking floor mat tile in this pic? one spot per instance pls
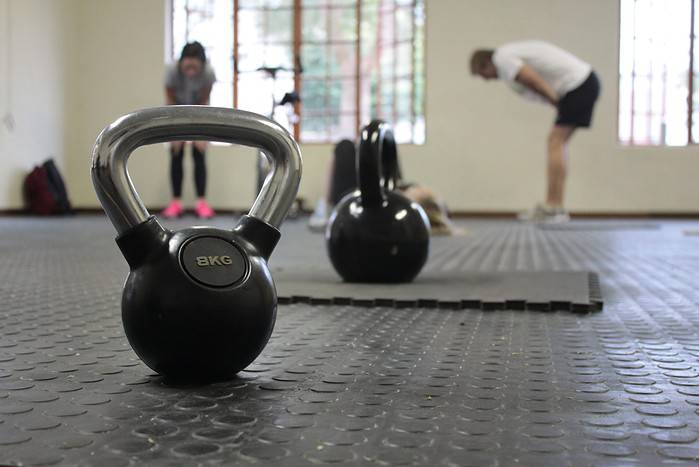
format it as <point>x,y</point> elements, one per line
<point>591,225</point>
<point>450,279</point>
<point>540,290</point>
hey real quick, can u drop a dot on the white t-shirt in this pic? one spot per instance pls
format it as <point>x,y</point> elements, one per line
<point>562,70</point>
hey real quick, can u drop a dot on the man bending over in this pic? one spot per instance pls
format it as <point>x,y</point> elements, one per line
<point>544,72</point>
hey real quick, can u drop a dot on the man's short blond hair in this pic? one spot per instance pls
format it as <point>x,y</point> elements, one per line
<point>480,58</point>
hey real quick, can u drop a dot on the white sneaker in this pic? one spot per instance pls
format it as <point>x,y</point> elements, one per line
<point>319,218</point>
<point>543,214</point>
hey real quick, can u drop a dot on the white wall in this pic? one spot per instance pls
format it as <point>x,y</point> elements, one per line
<point>485,146</point>
<point>32,84</point>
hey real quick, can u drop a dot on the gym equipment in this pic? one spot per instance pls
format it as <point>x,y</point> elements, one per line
<point>198,303</point>
<point>376,234</point>
<point>289,98</point>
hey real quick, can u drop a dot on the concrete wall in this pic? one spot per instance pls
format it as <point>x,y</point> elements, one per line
<point>485,146</point>
<point>33,49</point>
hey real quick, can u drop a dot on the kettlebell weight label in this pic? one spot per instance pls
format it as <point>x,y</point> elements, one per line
<point>205,261</point>
<point>213,261</point>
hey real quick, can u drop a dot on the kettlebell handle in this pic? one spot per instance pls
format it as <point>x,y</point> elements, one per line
<point>377,163</point>
<point>117,141</point>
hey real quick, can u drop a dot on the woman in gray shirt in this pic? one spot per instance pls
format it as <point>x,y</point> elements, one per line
<point>188,82</point>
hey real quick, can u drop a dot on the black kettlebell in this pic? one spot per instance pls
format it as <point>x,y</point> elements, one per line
<point>376,234</point>
<point>198,303</point>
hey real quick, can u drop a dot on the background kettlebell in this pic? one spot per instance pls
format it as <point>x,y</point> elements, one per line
<point>376,234</point>
<point>198,303</point>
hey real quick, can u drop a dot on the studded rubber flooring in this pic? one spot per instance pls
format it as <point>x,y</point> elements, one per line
<point>363,386</point>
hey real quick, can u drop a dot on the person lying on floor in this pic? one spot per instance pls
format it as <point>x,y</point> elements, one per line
<point>342,179</point>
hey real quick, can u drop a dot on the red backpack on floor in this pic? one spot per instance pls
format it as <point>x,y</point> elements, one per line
<point>44,191</point>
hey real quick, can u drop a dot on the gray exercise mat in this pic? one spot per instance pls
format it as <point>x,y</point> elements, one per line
<point>539,290</point>
<point>597,225</point>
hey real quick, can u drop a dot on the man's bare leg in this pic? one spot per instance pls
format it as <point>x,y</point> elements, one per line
<point>557,164</point>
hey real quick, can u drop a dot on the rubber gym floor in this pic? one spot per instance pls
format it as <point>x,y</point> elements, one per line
<point>348,385</point>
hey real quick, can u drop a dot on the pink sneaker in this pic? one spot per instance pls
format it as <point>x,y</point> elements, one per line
<point>174,209</point>
<point>203,210</point>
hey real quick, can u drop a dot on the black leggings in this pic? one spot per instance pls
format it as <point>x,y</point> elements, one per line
<point>343,179</point>
<point>176,171</point>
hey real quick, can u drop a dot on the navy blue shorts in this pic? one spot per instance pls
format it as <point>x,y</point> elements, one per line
<point>575,108</point>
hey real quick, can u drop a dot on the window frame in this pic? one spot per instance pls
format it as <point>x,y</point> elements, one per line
<point>359,78</point>
<point>692,137</point>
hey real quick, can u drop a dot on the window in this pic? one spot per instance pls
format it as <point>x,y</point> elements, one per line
<point>348,60</point>
<point>657,73</point>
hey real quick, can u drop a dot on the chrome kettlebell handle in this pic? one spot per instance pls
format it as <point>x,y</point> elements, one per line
<point>117,141</point>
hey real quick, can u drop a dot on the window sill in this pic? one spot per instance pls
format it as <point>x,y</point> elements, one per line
<point>656,146</point>
<point>335,142</point>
